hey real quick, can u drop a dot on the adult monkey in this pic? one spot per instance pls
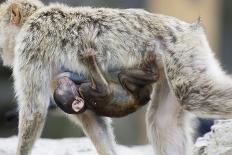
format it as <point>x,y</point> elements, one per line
<point>107,99</point>
<point>41,40</point>
<point>14,17</point>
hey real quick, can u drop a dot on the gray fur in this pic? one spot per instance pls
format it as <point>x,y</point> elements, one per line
<point>52,37</point>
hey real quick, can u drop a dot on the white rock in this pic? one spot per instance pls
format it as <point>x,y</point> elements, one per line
<point>216,142</point>
<point>67,146</point>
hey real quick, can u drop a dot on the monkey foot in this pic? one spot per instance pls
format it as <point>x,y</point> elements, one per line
<point>149,62</point>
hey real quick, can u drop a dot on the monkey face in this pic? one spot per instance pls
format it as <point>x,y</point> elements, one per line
<point>67,97</point>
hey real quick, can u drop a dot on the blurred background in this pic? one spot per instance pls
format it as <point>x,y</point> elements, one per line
<point>130,130</point>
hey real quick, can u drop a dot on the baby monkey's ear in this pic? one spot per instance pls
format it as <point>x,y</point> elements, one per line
<point>15,14</point>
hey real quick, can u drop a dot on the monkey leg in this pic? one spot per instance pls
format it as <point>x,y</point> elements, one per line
<point>102,97</point>
<point>133,80</point>
<point>137,87</point>
<point>137,84</point>
<point>98,129</point>
<point>67,94</point>
<point>116,104</point>
<point>68,98</point>
<point>98,80</point>
<point>139,81</point>
<point>121,103</point>
<point>98,90</point>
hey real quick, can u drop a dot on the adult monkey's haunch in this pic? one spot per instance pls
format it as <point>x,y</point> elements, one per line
<point>104,98</point>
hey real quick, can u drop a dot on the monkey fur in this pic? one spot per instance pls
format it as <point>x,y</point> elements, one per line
<point>103,98</point>
<point>39,42</point>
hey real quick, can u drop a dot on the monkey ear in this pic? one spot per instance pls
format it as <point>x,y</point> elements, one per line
<point>15,14</point>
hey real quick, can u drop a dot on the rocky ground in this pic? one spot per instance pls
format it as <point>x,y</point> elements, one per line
<point>68,146</point>
<point>216,142</point>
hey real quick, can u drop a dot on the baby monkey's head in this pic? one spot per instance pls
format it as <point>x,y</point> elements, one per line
<point>67,96</point>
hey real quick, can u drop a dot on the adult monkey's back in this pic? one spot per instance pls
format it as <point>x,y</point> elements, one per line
<point>50,38</point>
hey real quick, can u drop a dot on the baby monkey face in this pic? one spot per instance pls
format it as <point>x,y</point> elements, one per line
<point>67,96</point>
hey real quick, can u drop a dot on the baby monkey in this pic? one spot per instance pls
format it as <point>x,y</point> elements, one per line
<point>74,94</point>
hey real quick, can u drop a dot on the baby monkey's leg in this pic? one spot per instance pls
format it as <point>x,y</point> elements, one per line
<point>105,100</point>
<point>139,81</point>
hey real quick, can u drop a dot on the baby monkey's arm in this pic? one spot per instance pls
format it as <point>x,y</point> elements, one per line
<point>113,100</point>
